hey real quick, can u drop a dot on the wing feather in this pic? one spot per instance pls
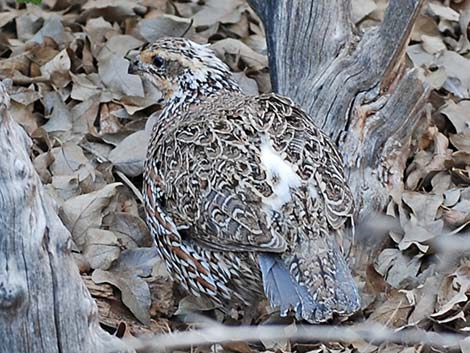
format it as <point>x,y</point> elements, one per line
<point>246,160</point>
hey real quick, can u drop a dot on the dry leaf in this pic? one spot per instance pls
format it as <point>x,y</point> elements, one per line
<point>424,206</point>
<point>432,44</point>
<point>134,290</point>
<point>101,248</point>
<point>52,28</point>
<point>361,8</point>
<point>444,12</point>
<point>247,84</point>
<point>140,261</point>
<point>219,11</point>
<point>69,159</point>
<point>131,230</point>
<point>57,113</point>
<point>85,212</point>
<point>66,186</point>
<point>113,72</point>
<point>129,154</point>
<point>392,313</point>
<point>235,47</point>
<point>163,26</point>
<point>396,267</point>
<point>458,71</point>
<point>458,114</point>
<point>85,86</point>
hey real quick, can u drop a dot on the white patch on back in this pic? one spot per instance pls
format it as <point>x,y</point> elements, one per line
<point>283,171</point>
<point>312,191</point>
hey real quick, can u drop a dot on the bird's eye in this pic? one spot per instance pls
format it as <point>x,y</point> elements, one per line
<point>158,61</point>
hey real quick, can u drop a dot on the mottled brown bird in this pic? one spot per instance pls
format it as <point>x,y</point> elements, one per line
<point>244,195</point>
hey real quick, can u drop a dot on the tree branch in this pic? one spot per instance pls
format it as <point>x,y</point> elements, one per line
<point>372,333</point>
<point>291,34</point>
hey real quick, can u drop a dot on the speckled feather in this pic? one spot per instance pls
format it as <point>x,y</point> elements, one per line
<point>244,195</point>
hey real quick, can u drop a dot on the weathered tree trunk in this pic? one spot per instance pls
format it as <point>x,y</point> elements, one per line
<point>44,305</point>
<point>357,89</point>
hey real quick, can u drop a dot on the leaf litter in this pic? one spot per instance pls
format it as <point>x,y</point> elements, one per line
<point>89,117</point>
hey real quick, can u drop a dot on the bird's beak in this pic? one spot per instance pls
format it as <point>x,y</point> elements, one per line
<point>135,65</point>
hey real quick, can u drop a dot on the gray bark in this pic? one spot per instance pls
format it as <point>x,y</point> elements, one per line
<point>44,305</point>
<point>356,88</point>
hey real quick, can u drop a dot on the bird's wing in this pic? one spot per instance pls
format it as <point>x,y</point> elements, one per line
<point>316,156</point>
<point>331,182</point>
<point>231,174</point>
<point>208,169</point>
<point>229,223</point>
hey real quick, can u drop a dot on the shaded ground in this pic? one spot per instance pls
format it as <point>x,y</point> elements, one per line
<point>88,118</point>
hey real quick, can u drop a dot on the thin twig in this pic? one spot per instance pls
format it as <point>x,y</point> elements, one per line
<point>129,183</point>
<point>323,333</point>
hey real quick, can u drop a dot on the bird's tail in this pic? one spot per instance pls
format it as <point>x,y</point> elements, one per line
<point>314,288</point>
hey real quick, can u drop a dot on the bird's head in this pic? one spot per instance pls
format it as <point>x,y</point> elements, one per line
<point>177,65</point>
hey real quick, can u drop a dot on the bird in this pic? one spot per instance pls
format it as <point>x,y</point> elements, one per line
<point>244,196</point>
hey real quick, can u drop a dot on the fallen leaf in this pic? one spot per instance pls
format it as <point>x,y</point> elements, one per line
<point>52,28</point>
<point>396,267</point>
<point>458,71</point>
<point>163,26</point>
<point>361,8</point>
<point>219,11</point>
<point>101,248</point>
<point>113,73</point>
<point>424,206</point>
<point>191,304</point>
<point>85,86</point>
<point>461,141</point>
<point>129,154</point>
<point>134,290</point>
<point>131,230</point>
<point>84,212</point>
<point>457,113</point>
<point>111,10</point>
<point>25,96</point>
<point>444,12</point>
<point>69,159</point>
<point>84,115</point>
<point>138,260</point>
<point>66,186</point>
<point>235,47</point>
<point>57,113</point>
<point>247,85</point>
<point>426,297</point>
<point>393,312</point>
<point>432,44</point>
<point>60,63</point>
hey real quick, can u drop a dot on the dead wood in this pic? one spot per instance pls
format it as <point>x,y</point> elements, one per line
<point>44,305</point>
<point>356,87</point>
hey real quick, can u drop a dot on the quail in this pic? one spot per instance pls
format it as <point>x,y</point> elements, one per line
<point>245,197</point>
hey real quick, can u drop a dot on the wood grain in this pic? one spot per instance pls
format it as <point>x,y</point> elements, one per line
<point>44,305</point>
<point>354,86</point>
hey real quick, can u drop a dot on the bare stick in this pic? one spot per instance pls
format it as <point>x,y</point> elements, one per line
<point>374,333</point>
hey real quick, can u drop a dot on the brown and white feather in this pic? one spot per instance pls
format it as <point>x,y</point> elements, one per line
<point>230,179</point>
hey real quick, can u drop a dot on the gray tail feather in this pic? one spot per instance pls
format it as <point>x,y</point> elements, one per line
<point>284,292</point>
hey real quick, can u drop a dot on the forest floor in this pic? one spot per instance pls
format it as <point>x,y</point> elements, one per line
<point>88,119</point>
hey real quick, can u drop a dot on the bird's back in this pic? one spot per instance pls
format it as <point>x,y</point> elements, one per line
<point>253,175</point>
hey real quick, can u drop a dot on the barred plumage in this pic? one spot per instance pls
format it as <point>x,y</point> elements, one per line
<point>244,195</point>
